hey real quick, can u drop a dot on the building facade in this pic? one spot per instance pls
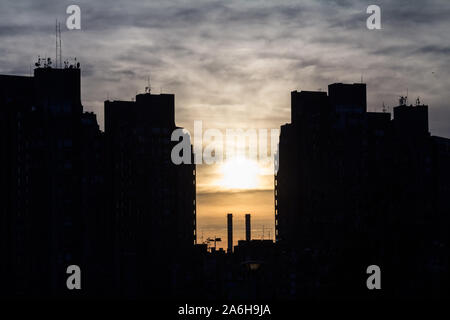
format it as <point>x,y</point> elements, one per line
<point>44,157</point>
<point>153,200</point>
<point>112,202</point>
<point>356,188</point>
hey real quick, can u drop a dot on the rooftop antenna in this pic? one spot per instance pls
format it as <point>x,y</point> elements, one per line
<point>263,233</point>
<point>215,240</point>
<point>148,88</point>
<point>384,108</point>
<point>58,53</point>
<point>48,63</point>
<point>38,63</point>
<point>418,101</point>
<point>60,47</point>
<point>361,78</point>
<point>56,42</point>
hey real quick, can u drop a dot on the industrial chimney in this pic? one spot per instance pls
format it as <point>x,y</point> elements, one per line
<point>230,232</point>
<point>247,227</point>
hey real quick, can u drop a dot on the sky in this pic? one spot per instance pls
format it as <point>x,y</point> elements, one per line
<point>232,64</point>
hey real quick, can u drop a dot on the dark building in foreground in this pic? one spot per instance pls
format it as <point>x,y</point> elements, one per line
<point>152,199</point>
<point>112,203</point>
<point>353,189</point>
<point>49,190</point>
<point>356,188</point>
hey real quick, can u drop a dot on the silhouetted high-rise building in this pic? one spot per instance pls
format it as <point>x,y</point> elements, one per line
<point>152,199</point>
<point>112,203</point>
<point>13,103</point>
<point>43,147</point>
<point>355,188</point>
<point>97,222</point>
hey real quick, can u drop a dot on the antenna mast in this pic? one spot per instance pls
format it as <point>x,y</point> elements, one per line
<point>56,42</point>
<point>148,88</point>
<point>60,47</point>
<point>58,53</point>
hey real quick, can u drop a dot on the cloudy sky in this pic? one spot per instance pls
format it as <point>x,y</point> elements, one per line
<point>232,64</point>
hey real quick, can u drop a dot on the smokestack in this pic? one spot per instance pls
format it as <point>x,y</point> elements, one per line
<point>247,227</point>
<point>230,232</point>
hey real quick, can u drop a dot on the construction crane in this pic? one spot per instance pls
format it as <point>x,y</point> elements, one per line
<point>215,240</point>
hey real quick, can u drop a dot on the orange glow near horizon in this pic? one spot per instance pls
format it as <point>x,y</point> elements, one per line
<point>239,185</point>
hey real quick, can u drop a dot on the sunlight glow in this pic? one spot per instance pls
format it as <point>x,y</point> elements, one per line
<point>239,173</point>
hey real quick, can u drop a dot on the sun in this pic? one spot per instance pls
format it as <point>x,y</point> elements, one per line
<point>239,173</point>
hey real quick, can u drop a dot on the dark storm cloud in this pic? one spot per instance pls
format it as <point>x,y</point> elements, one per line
<point>434,50</point>
<point>13,30</point>
<point>405,50</point>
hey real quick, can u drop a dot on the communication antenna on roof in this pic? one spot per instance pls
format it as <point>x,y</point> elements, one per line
<point>418,101</point>
<point>361,78</point>
<point>60,46</point>
<point>215,240</point>
<point>148,88</point>
<point>56,42</point>
<point>263,233</point>
<point>38,62</point>
<point>384,108</point>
